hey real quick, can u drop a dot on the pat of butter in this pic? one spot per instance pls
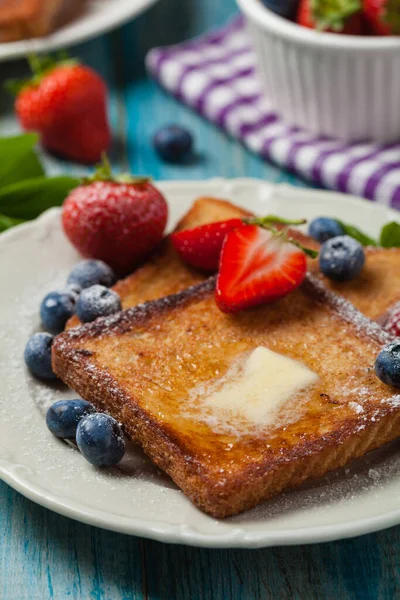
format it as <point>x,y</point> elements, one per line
<point>256,392</point>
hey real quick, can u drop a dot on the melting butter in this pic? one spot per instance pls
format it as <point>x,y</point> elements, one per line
<point>256,392</point>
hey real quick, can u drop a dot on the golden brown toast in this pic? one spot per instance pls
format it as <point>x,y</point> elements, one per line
<point>154,366</point>
<point>374,292</point>
<point>22,19</point>
<point>377,287</point>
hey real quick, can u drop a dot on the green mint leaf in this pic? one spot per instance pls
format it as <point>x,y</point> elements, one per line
<point>8,222</point>
<point>18,160</point>
<point>390,235</point>
<point>358,235</point>
<point>28,199</point>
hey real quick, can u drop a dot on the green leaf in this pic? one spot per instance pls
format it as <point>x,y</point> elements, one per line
<point>357,234</point>
<point>8,222</point>
<point>18,160</point>
<point>390,235</point>
<point>28,199</point>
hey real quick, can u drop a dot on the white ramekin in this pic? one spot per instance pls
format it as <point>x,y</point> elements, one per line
<point>336,85</point>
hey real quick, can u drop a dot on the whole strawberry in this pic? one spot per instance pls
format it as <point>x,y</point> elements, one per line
<point>119,220</point>
<point>65,102</point>
<point>383,16</point>
<point>339,16</point>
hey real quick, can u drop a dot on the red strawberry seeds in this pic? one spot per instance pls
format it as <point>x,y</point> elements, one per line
<point>201,246</point>
<point>66,104</point>
<point>257,266</point>
<point>118,222</point>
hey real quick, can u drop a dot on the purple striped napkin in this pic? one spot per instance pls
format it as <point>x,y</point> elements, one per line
<point>215,75</point>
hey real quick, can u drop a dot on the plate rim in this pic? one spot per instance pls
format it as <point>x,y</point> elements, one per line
<point>12,474</point>
<point>66,38</point>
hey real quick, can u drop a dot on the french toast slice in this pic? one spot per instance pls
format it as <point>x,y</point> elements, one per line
<point>373,292</point>
<point>23,19</point>
<point>153,367</point>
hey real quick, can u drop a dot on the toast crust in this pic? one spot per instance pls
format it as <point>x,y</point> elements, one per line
<point>130,364</point>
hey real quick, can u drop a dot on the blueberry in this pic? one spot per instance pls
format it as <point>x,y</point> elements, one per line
<point>56,309</point>
<point>387,365</point>
<point>75,288</point>
<point>173,143</point>
<point>97,301</point>
<point>324,228</point>
<point>37,355</point>
<point>341,258</point>
<point>92,272</point>
<point>63,417</point>
<point>285,8</point>
<point>101,440</point>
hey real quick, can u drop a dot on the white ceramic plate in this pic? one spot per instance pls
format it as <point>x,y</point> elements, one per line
<point>136,498</point>
<point>99,16</point>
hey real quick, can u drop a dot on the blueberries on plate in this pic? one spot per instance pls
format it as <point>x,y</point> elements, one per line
<point>100,440</point>
<point>324,228</point>
<point>57,308</point>
<point>63,417</point>
<point>75,288</point>
<point>97,301</point>
<point>91,272</point>
<point>341,258</point>
<point>173,143</point>
<point>37,355</point>
<point>387,365</point>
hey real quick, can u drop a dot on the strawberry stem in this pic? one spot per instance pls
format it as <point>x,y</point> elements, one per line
<point>271,219</point>
<point>103,172</point>
<point>40,67</point>
<point>268,223</point>
<point>333,14</point>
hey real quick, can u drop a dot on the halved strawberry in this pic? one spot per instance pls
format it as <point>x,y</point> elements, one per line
<point>201,246</point>
<point>257,265</point>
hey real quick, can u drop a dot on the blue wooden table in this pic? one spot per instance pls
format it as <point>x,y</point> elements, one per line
<point>43,555</point>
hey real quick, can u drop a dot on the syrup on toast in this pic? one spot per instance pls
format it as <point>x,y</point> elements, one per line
<point>151,367</point>
<point>373,292</point>
<point>23,19</point>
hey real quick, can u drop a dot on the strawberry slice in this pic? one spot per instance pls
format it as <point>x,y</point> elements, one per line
<point>257,265</point>
<point>201,246</point>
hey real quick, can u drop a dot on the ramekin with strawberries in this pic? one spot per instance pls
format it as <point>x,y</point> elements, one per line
<point>344,86</point>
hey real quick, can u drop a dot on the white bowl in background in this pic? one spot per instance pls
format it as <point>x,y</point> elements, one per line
<point>331,84</point>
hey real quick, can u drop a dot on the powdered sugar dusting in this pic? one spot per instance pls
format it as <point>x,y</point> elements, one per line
<point>347,311</point>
